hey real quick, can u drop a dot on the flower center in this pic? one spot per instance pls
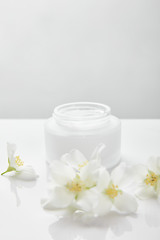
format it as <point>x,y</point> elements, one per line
<point>151,179</point>
<point>18,161</point>
<point>77,185</point>
<point>112,191</point>
<point>83,164</point>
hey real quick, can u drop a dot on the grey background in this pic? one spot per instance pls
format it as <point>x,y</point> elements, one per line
<point>58,51</point>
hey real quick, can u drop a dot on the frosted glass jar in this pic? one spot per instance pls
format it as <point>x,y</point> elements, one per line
<point>83,126</point>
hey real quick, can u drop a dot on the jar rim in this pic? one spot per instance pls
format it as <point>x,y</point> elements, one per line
<point>82,111</point>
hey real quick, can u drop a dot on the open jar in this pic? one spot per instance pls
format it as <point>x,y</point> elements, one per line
<point>83,126</point>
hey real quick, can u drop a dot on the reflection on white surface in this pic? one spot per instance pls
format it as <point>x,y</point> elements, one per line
<point>152,216</point>
<point>17,183</point>
<point>69,228</point>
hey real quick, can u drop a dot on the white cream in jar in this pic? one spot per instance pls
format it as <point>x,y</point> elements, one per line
<point>83,126</point>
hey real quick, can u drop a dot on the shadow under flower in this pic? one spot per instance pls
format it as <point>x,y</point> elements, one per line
<point>76,227</point>
<point>17,183</point>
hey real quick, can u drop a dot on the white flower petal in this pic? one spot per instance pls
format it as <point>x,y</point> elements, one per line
<point>90,173</point>
<point>86,200</point>
<point>26,173</point>
<point>144,192</point>
<point>125,203</point>
<point>61,173</point>
<point>103,205</point>
<point>11,149</point>
<point>122,175</point>
<point>93,165</point>
<point>74,158</point>
<point>103,180</point>
<point>154,164</point>
<point>47,203</point>
<point>97,152</point>
<point>59,198</point>
<point>118,173</point>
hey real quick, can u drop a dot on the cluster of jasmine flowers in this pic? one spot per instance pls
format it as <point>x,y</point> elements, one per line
<point>87,187</point>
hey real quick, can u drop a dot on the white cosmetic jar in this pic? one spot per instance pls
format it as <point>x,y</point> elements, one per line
<point>83,126</point>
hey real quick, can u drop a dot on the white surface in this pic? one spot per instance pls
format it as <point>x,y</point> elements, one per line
<point>58,51</point>
<point>21,215</point>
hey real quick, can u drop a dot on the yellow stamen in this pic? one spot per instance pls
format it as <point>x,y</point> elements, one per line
<point>18,161</point>
<point>112,191</point>
<point>83,164</point>
<point>77,185</point>
<point>151,179</point>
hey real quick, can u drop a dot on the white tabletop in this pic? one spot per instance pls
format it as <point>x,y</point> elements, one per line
<point>21,215</point>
